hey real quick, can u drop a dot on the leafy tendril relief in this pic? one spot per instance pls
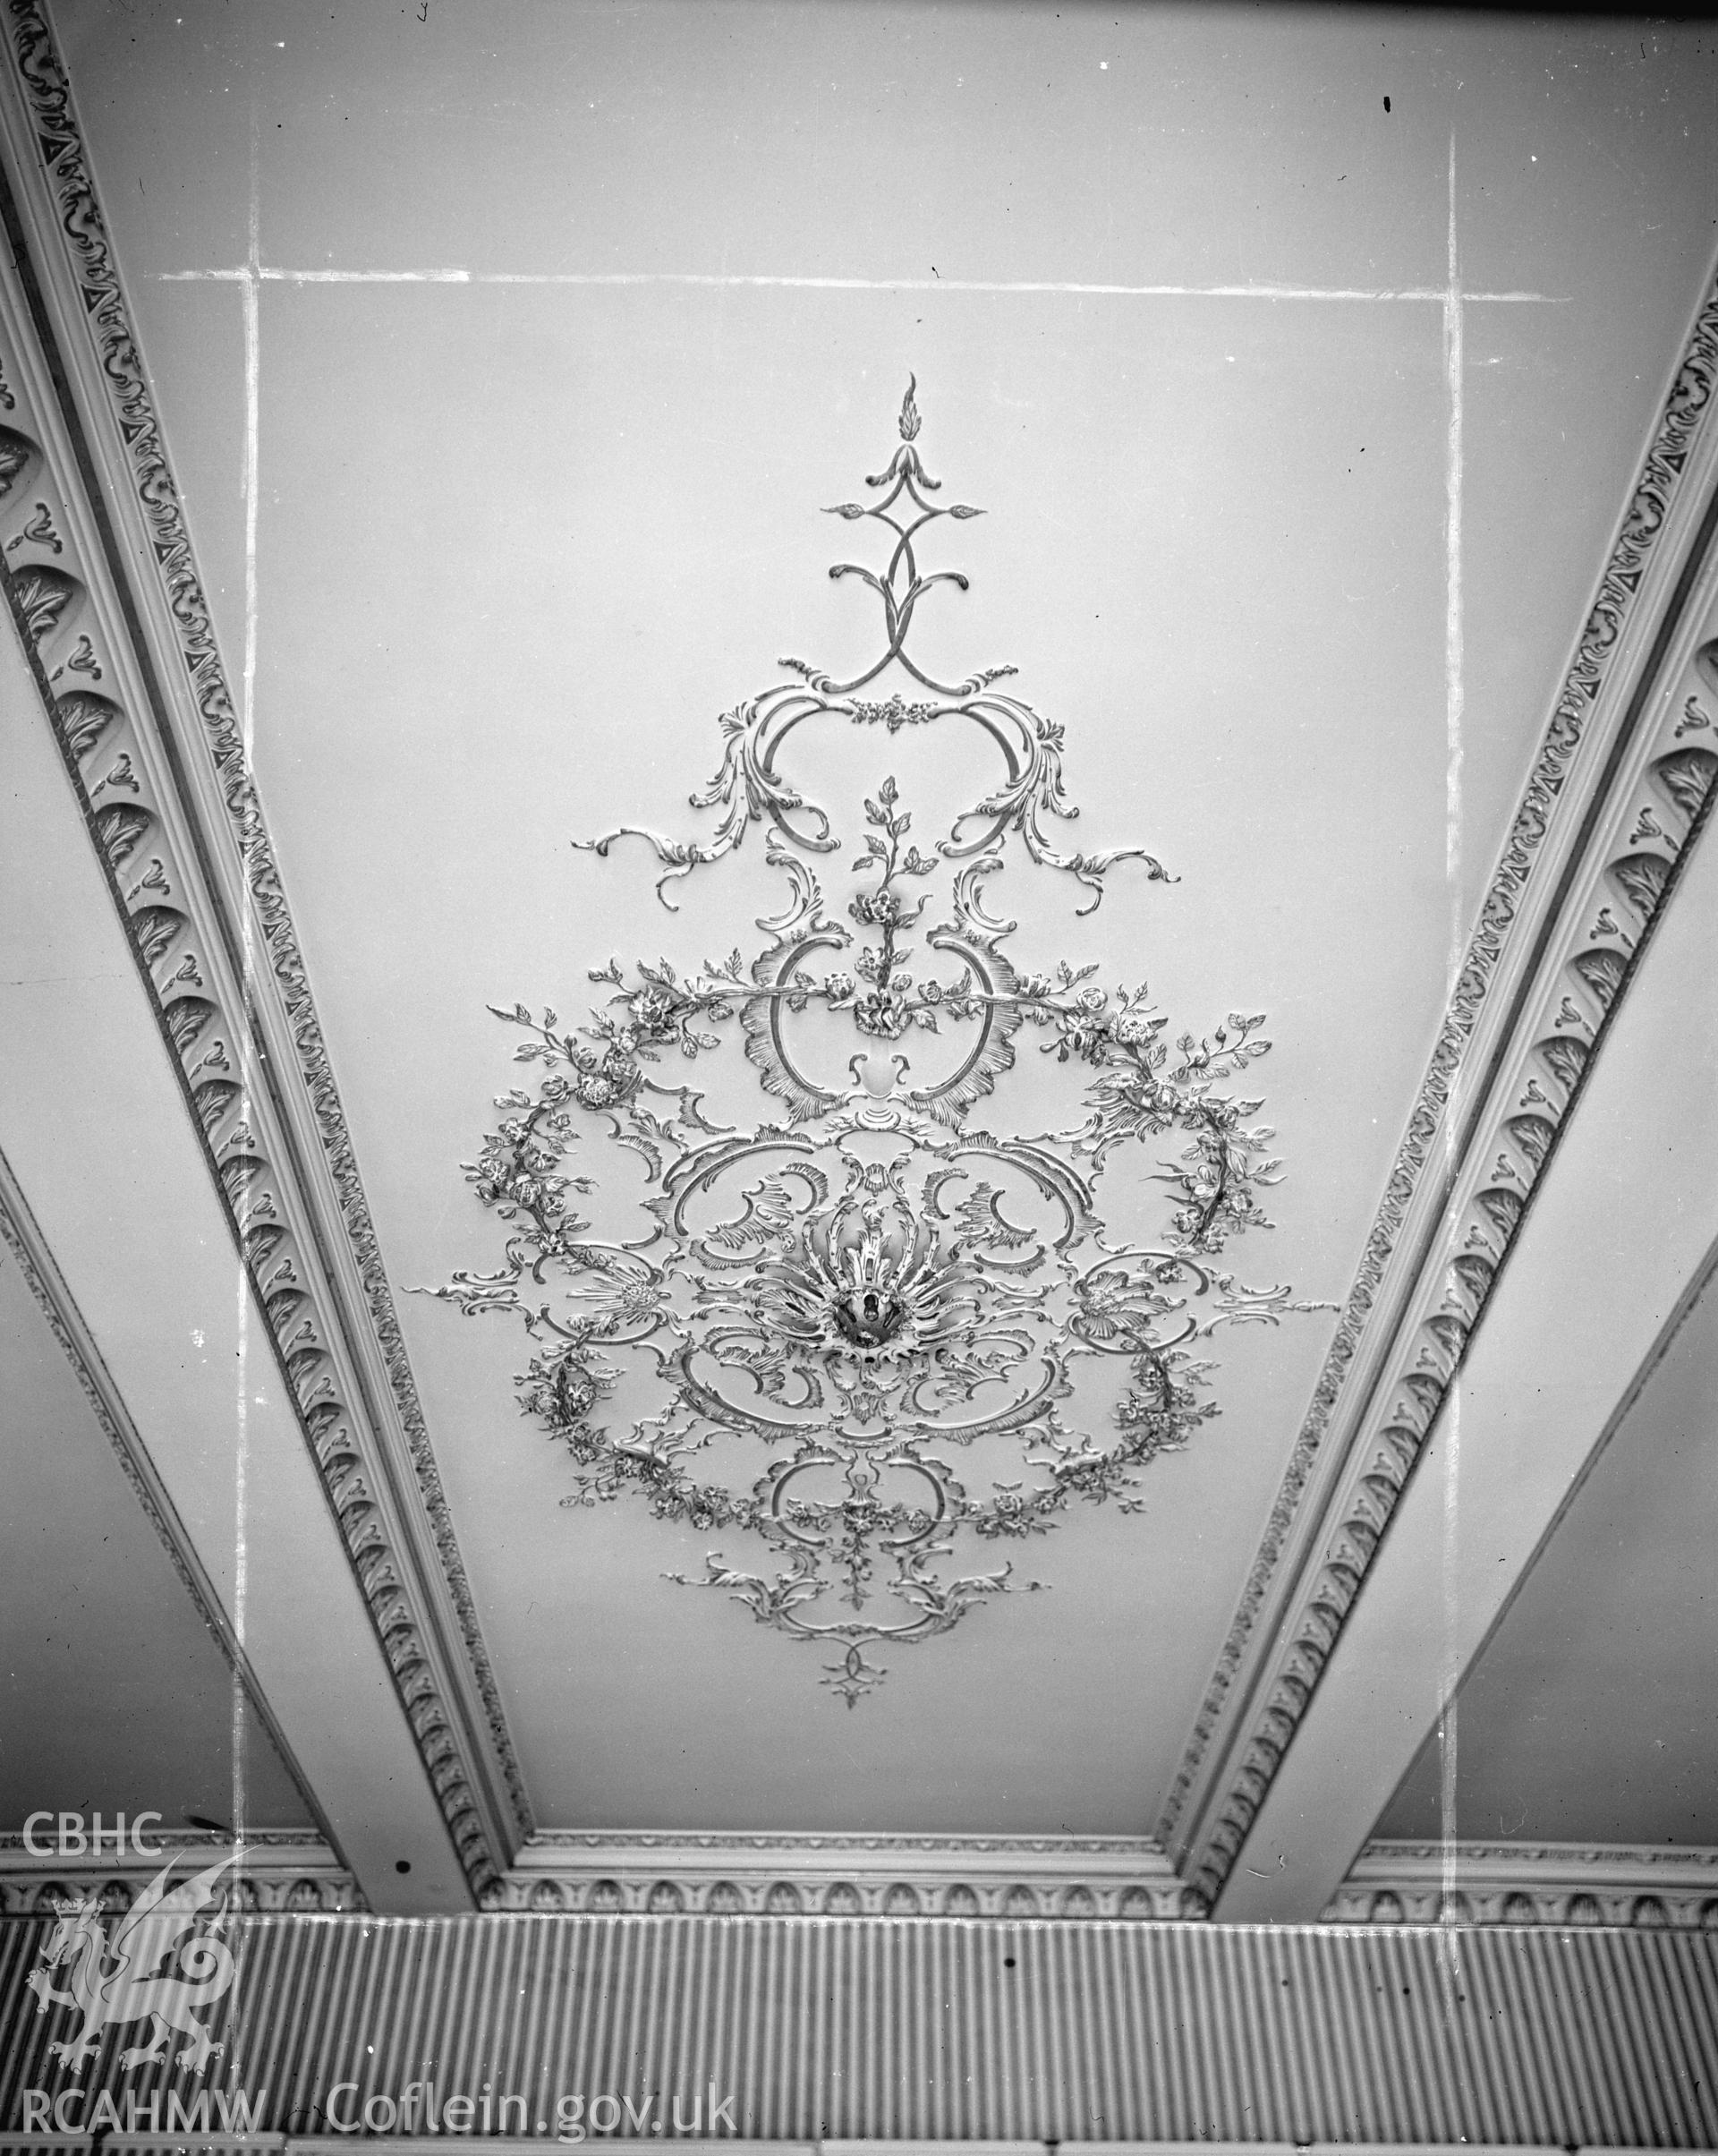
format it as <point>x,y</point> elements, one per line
<point>867,1288</point>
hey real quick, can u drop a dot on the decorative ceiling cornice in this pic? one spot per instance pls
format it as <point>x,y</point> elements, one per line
<point>277,1869</point>
<point>866,1292</point>
<point>1620,790</point>
<point>1556,1883</point>
<point>23,1238</point>
<point>895,1875</point>
<point>96,566</point>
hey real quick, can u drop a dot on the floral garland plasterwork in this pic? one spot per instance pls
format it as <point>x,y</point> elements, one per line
<point>868,1287</point>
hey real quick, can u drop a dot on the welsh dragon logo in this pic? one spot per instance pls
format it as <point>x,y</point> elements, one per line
<point>120,1980</point>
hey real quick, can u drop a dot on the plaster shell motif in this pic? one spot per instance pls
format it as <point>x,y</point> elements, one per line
<point>871,1286</point>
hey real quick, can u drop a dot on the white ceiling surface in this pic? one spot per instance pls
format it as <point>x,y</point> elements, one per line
<point>113,1695</point>
<point>519,544</point>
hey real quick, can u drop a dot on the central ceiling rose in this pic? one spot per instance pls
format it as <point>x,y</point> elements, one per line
<point>866,1288</point>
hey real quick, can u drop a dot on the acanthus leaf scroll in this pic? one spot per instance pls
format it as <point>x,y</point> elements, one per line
<point>868,1287</point>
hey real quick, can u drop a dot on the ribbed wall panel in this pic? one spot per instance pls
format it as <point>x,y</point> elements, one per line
<point>903,2030</point>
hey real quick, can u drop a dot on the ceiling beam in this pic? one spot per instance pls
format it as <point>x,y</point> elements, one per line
<point>1616,795</point>
<point>97,569</point>
<point>1620,1241</point>
<point>93,1124</point>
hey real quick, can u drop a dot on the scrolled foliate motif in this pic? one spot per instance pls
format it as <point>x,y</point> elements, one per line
<point>869,1294</point>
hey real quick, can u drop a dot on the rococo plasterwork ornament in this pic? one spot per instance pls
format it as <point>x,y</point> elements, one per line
<point>868,1288</point>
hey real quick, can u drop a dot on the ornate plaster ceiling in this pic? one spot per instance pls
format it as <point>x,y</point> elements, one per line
<point>937,1337</point>
<point>1302,374</point>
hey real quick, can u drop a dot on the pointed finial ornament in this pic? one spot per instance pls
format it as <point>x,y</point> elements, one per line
<point>909,411</point>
